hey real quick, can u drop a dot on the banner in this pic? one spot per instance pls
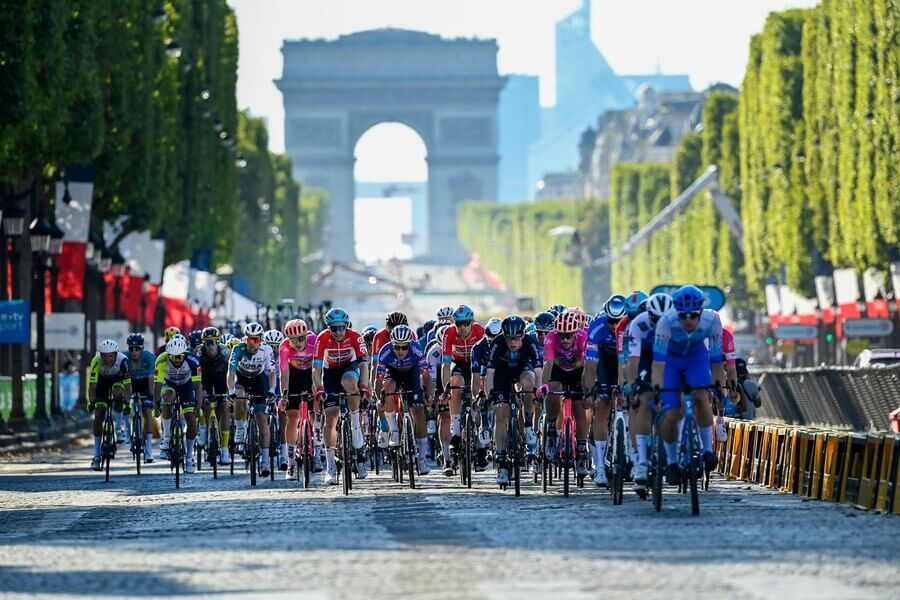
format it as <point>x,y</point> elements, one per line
<point>875,289</point>
<point>177,280</point>
<point>143,254</point>
<point>113,329</point>
<point>846,292</point>
<point>14,322</point>
<point>69,384</point>
<point>202,289</point>
<point>62,331</point>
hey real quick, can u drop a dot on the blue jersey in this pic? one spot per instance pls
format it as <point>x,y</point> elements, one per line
<point>601,340</point>
<point>142,369</point>
<point>671,340</point>
<point>480,356</point>
<point>388,359</point>
<point>539,347</point>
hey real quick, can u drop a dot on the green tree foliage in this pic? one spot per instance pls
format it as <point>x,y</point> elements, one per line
<point>514,241</point>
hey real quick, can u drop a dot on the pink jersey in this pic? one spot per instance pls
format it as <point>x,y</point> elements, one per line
<point>566,359</point>
<point>299,358</point>
<point>728,348</point>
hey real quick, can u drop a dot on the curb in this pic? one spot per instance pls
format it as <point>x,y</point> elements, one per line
<point>61,436</point>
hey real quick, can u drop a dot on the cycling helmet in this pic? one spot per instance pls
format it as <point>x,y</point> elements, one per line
<point>369,333</point>
<point>556,310</point>
<point>396,318</point>
<point>170,332</point>
<point>195,338</point>
<point>253,329</point>
<point>635,303</point>
<point>659,304</point>
<point>615,307</point>
<point>582,320</point>
<point>226,337</point>
<point>337,316</point>
<point>427,326</point>
<point>211,333</point>
<point>401,334</point>
<point>135,339</point>
<point>543,321</point>
<point>108,347</point>
<point>567,322</point>
<point>444,313</point>
<point>230,344</point>
<point>178,336</point>
<point>463,313</point>
<point>688,298</point>
<point>295,328</point>
<point>273,337</point>
<point>529,328</point>
<point>176,346</point>
<point>493,328</point>
<point>513,325</point>
<point>589,318</point>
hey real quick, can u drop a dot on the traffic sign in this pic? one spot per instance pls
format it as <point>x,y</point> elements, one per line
<point>715,298</point>
<point>796,331</point>
<point>868,328</point>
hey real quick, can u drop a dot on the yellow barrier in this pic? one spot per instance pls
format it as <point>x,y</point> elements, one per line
<point>835,447</point>
<point>888,492</point>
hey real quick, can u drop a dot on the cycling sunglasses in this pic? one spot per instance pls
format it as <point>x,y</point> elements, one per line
<point>565,336</point>
<point>403,347</point>
<point>210,342</point>
<point>253,338</point>
<point>135,348</point>
<point>684,316</point>
<point>463,323</point>
<point>337,328</point>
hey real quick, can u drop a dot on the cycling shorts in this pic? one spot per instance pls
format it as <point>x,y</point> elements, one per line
<point>504,383</point>
<point>183,391</point>
<point>463,369</point>
<point>690,370</point>
<point>410,381</point>
<point>300,381</point>
<point>102,392</point>
<point>331,381</point>
<point>607,372</point>
<point>570,380</point>
<point>215,384</point>
<point>257,387</point>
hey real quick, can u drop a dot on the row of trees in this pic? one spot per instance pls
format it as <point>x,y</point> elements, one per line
<point>145,92</point>
<point>809,153</point>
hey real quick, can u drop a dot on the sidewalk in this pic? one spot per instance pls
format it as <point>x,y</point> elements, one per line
<point>54,432</point>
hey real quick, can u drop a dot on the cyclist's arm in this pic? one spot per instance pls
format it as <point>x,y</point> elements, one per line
<point>489,381</point>
<point>545,373</point>
<point>317,375</point>
<point>285,379</point>
<point>589,375</point>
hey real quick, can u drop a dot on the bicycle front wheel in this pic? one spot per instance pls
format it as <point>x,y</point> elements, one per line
<point>694,468</point>
<point>306,453</point>
<point>253,450</point>
<point>618,482</point>
<point>410,445</point>
<point>346,468</point>
<point>469,442</point>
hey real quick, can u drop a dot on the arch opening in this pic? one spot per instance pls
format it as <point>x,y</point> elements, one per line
<point>390,205</point>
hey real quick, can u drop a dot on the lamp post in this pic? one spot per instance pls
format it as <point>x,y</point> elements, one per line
<point>13,225</point>
<point>40,231</point>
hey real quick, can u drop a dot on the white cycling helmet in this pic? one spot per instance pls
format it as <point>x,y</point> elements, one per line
<point>401,334</point>
<point>273,337</point>
<point>493,327</point>
<point>253,329</point>
<point>659,304</point>
<point>444,313</point>
<point>176,346</point>
<point>107,347</point>
<point>439,334</point>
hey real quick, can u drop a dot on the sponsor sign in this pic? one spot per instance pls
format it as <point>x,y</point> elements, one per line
<point>796,331</point>
<point>868,328</point>
<point>62,331</point>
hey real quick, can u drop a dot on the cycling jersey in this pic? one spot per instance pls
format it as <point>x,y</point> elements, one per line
<point>141,372</point>
<point>728,348</point>
<point>434,359</point>
<point>459,350</point>
<point>621,331</point>
<point>106,377</point>
<point>638,341</point>
<point>538,346</point>
<point>214,370</point>
<point>333,354</point>
<point>671,339</point>
<point>480,356</point>
<point>251,365</point>
<point>301,358</point>
<point>176,375</point>
<point>389,362</point>
<point>566,359</point>
<point>601,339</point>
<point>501,358</point>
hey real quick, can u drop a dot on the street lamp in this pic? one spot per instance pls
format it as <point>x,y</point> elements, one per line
<point>56,239</point>
<point>40,231</point>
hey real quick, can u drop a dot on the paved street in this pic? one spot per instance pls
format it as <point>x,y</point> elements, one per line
<point>64,533</point>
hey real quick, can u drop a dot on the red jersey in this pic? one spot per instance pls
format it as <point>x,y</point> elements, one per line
<point>382,338</point>
<point>621,331</point>
<point>459,350</point>
<point>333,354</point>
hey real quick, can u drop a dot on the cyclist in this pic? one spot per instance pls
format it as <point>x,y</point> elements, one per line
<point>273,339</point>
<point>340,365</point>
<point>459,339</point>
<point>602,369</point>
<point>178,374</point>
<point>369,334</point>
<point>195,339</point>
<point>635,304</point>
<point>479,368</point>
<point>681,357</point>
<point>564,360</point>
<point>434,358</point>
<point>232,343</point>
<point>108,378</point>
<point>512,360</point>
<point>638,352</point>
<point>402,366</point>
<point>141,369</point>
<point>251,372</point>
<point>296,357</point>
<point>214,357</point>
<point>170,332</point>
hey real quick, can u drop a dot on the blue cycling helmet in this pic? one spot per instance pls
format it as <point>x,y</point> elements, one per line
<point>556,310</point>
<point>463,313</point>
<point>513,325</point>
<point>688,298</point>
<point>529,328</point>
<point>543,321</point>
<point>615,307</point>
<point>337,316</point>
<point>636,303</point>
<point>135,339</point>
<point>195,338</point>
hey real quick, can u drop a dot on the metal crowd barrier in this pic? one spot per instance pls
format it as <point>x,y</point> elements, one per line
<point>859,469</point>
<point>831,397</point>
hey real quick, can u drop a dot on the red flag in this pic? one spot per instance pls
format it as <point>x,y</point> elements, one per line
<point>72,263</point>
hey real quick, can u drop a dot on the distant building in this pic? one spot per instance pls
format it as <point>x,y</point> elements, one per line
<point>586,86</point>
<point>562,185</point>
<point>519,123</point>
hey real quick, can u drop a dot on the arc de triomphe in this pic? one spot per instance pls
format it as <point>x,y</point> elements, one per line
<point>446,90</point>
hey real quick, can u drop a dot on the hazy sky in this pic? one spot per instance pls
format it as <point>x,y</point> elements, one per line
<point>707,39</point>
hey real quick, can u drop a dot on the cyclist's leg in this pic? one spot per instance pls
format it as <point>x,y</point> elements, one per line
<point>461,374</point>
<point>607,374</point>
<point>527,383</point>
<point>240,410</point>
<point>100,394</point>
<point>257,392</point>
<point>189,410</point>
<point>673,412</point>
<point>147,425</point>
<point>331,380</point>
<point>444,435</point>
<point>118,410</point>
<point>389,405</point>
<point>698,375</point>
<point>167,398</point>
<point>350,384</point>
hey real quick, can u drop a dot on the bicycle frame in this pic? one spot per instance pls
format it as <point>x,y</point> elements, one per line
<point>467,452</point>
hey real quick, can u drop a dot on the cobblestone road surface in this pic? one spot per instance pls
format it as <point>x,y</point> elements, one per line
<point>64,533</point>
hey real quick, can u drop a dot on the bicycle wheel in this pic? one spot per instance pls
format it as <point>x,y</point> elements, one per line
<point>618,482</point>
<point>306,453</point>
<point>252,449</point>
<point>468,457</point>
<point>231,447</point>
<point>137,440</point>
<point>566,456</point>
<point>658,465</point>
<point>346,469</point>
<point>515,466</point>
<point>693,469</point>
<point>212,445</point>
<point>273,445</point>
